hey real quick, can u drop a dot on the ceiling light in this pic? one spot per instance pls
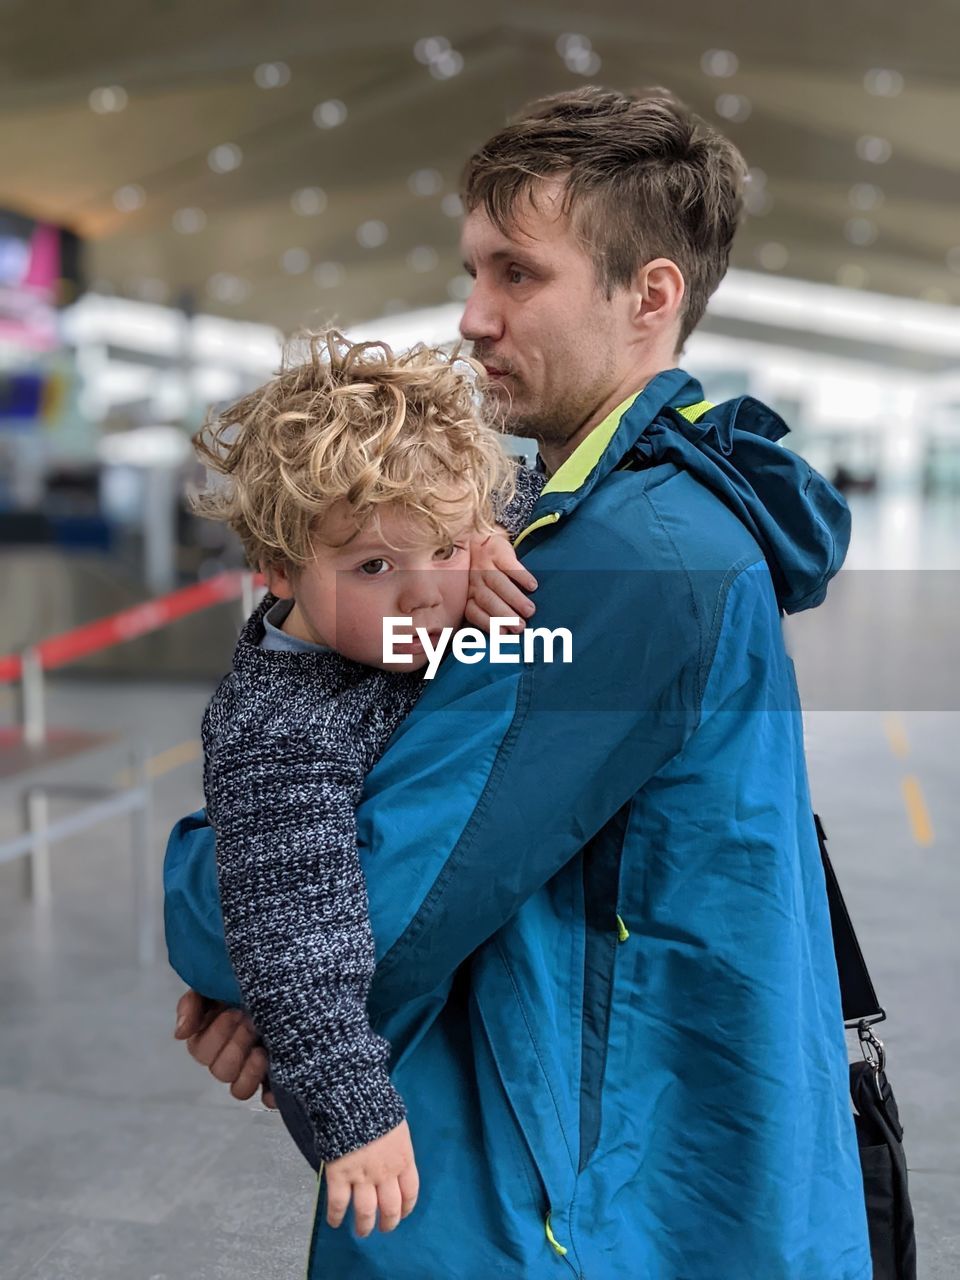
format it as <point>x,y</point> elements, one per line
<point>107,100</point>
<point>449,64</point>
<point>851,275</point>
<point>720,63</point>
<point>430,48</point>
<point>129,198</point>
<point>271,75</point>
<point>757,201</point>
<point>874,150</point>
<point>586,63</point>
<point>328,274</point>
<point>756,177</point>
<point>294,262</point>
<point>422,259</point>
<point>308,201</point>
<point>733,106</point>
<point>773,256</point>
<point>883,83</point>
<point>425,182</point>
<point>452,205</point>
<point>189,221</point>
<point>864,195</point>
<point>860,231</point>
<point>569,43</point>
<point>372,234</point>
<point>460,287</point>
<point>227,288</point>
<point>225,158</point>
<point>329,114</point>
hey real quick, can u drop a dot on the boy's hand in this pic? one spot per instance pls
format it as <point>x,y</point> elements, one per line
<point>382,1175</point>
<point>496,579</point>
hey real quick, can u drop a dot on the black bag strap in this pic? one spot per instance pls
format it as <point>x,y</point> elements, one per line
<point>857,994</point>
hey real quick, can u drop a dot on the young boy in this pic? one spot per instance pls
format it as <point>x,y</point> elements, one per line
<point>364,485</point>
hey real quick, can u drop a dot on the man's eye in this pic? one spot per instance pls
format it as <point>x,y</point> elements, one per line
<point>516,276</point>
<point>374,568</point>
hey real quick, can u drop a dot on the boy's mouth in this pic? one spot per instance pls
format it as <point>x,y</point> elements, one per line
<point>417,644</point>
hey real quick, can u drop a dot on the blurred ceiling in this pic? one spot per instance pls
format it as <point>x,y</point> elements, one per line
<point>340,135</point>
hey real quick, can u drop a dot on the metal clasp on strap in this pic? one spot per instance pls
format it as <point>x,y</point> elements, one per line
<point>873,1052</point>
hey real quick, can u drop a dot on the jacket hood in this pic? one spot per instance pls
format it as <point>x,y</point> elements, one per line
<point>800,521</point>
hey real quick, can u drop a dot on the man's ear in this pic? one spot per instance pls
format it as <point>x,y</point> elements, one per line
<point>279,579</point>
<point>658,294</point>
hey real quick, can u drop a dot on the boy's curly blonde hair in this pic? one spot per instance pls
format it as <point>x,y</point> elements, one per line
<point>352,422</point>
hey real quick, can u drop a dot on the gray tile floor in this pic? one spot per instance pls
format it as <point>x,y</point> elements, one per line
<point>122,1160</point>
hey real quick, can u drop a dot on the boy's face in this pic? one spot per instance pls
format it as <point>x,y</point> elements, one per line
<point>392,568</point>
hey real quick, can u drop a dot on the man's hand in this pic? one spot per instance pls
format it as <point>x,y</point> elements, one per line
<point>382,1175</point>
<point>225,1041</point>
<point>496,579</point>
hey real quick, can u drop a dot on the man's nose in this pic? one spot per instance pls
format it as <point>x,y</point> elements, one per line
<point>419,589</point>
<point>481,320</point>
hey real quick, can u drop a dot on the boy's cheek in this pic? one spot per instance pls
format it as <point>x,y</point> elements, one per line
<point>417,663</point>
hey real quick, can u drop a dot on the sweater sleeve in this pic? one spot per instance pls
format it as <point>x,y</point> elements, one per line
<point>515,514</point>
<point>294,906</point>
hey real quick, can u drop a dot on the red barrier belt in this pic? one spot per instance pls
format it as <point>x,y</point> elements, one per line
<point>128,624</point>
<point>10,668</point>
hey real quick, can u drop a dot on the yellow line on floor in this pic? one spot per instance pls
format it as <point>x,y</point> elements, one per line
<point>917,810</point>
<point>896,736</point>
<point>166,761</point>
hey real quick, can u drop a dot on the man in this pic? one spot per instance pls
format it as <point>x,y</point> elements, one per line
<point>604,954</point>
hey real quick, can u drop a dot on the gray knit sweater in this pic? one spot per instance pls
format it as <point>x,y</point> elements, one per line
<point>288,740</point>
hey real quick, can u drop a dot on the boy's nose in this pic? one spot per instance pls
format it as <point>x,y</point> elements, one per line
<point>419,590</point>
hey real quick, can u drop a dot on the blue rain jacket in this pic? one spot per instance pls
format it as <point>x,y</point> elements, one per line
<point>604,953</point>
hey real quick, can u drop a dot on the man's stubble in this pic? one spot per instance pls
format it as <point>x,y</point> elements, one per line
<point>562,407</point>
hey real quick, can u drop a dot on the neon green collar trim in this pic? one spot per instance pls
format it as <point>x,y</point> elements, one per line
<point>570,475</point>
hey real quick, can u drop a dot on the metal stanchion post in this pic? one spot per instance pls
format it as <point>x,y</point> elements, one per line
<point>33,714</point>
<point>37,815</point>
<point>143,875</point>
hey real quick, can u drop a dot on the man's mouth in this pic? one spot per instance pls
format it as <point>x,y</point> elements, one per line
<point>491,368</point>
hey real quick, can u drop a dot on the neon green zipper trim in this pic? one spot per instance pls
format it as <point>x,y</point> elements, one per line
<point>313,1230</point>
<point>552,518</point>
<point>694,411</point>
<point>571,474</point>
<point>574,472</point>
<point>553,1239</point>
<point>623,933</point>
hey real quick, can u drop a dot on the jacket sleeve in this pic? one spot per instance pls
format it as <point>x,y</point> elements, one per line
<point>501,773</point>
<point>518,766</point>
<point>298,935</point>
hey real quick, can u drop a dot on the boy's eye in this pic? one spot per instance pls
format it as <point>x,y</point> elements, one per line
<point>447,553</point>
<point>374,568</point>
<point>516,276</point>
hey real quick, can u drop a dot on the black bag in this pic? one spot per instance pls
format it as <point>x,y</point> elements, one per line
<point>893,1243</point>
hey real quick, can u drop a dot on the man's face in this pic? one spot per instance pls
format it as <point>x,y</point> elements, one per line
<point>552,343</point>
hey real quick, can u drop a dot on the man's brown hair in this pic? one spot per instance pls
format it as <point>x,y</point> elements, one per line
<point>644,178</point>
